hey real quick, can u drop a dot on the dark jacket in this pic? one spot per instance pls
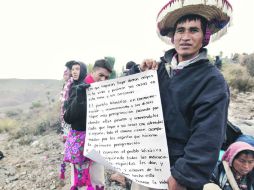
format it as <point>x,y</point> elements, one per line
<point>195,103</point>
<point>220,178</point>
<point>75,113</point>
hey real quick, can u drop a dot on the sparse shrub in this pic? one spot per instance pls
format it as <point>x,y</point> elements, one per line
<point>41,128</point>
<point>20,132</point>
<point>7,125</point>
<point>249,61</point>
<point>26,140</point>
<point>12,113</point>
<point>242,84</point>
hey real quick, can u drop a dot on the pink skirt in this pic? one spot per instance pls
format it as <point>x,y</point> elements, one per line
<point>74,147</point>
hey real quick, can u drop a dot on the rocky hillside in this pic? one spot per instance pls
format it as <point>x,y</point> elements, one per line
<point>33,162</point>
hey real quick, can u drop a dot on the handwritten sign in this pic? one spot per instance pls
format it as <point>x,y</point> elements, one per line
<point>125,128</point>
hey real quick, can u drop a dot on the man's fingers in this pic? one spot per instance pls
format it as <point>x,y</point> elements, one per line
<point>148,64</point>
<point>155,65</point>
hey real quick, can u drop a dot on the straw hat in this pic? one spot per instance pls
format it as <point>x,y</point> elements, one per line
<point>217,13</point>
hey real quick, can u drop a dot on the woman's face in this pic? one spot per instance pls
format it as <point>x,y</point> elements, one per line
<point>75,72</point>
<point>66,75</point>
<point>244,164</point>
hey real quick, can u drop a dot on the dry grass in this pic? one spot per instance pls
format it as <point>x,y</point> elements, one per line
<point>238,77</point>
<point>7,125</point>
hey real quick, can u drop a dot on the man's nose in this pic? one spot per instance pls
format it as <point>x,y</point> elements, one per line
<point>186,36</point>
<point>103,78</point>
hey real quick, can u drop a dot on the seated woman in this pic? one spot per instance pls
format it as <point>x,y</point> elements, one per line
<point>236,171</point>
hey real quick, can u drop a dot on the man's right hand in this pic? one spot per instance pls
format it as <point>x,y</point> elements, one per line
<point>174,185</point>
<point>148,64</point>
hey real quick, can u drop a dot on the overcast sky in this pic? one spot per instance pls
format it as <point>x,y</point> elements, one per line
<point>37,37</point>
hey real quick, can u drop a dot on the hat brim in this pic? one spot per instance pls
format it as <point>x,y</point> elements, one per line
<point>217,14</point>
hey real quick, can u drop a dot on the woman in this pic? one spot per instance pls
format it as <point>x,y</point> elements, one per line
<point>68,80</point>
<point>236,171</point>
<point>75,116</point>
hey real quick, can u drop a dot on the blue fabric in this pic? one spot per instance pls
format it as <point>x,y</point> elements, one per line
<point>246,138</point>
<point>221,154</point>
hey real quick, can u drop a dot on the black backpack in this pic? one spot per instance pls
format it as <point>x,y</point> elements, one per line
<point>232,133</point>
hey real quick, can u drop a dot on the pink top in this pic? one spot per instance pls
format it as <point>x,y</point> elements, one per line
<point>89,79</point>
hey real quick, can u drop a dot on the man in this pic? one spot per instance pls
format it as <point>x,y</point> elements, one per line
<point>101,71</point>
<point>218,62</point>
<point>128,66</point>
<point>194,95</point>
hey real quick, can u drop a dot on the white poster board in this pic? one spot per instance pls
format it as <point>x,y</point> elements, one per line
<point>125,129</point>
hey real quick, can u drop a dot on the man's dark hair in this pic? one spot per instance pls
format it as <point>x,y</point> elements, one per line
<point>130,64</point>
<point>103,64</point>
<point>192,17</point>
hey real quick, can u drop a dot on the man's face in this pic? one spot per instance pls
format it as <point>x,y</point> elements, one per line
<point>75,72</point>
<point>188,39</point>
<point>100,74</point>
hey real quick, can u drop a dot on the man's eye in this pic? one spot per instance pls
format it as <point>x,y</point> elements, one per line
<point>179,30</point>
<point>194,30</point>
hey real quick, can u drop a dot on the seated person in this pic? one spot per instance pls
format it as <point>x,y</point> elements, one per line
<point>236,168</point>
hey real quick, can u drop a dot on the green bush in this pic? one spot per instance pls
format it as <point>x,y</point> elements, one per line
<point>36,105</point>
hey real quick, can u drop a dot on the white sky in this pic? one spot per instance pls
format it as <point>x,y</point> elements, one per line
<point>38,37</point>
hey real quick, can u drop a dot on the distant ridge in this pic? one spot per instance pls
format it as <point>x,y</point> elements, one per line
<point>21,93</point>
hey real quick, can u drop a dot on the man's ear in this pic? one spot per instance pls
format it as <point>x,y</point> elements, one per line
<point>207,36</point>
<point>172,40</point>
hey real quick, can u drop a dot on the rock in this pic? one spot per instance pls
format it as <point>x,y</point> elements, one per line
<point>35,144</point>
<point>1,155</point>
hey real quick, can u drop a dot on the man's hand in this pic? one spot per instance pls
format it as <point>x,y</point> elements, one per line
<point>148,64</point>
<point>82,87</point>
<point>174,185</point>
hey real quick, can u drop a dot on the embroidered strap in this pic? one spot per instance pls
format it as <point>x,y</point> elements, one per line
<point>231,178</point>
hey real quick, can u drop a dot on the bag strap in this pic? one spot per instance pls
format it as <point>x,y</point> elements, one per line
<point>230,176</point>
